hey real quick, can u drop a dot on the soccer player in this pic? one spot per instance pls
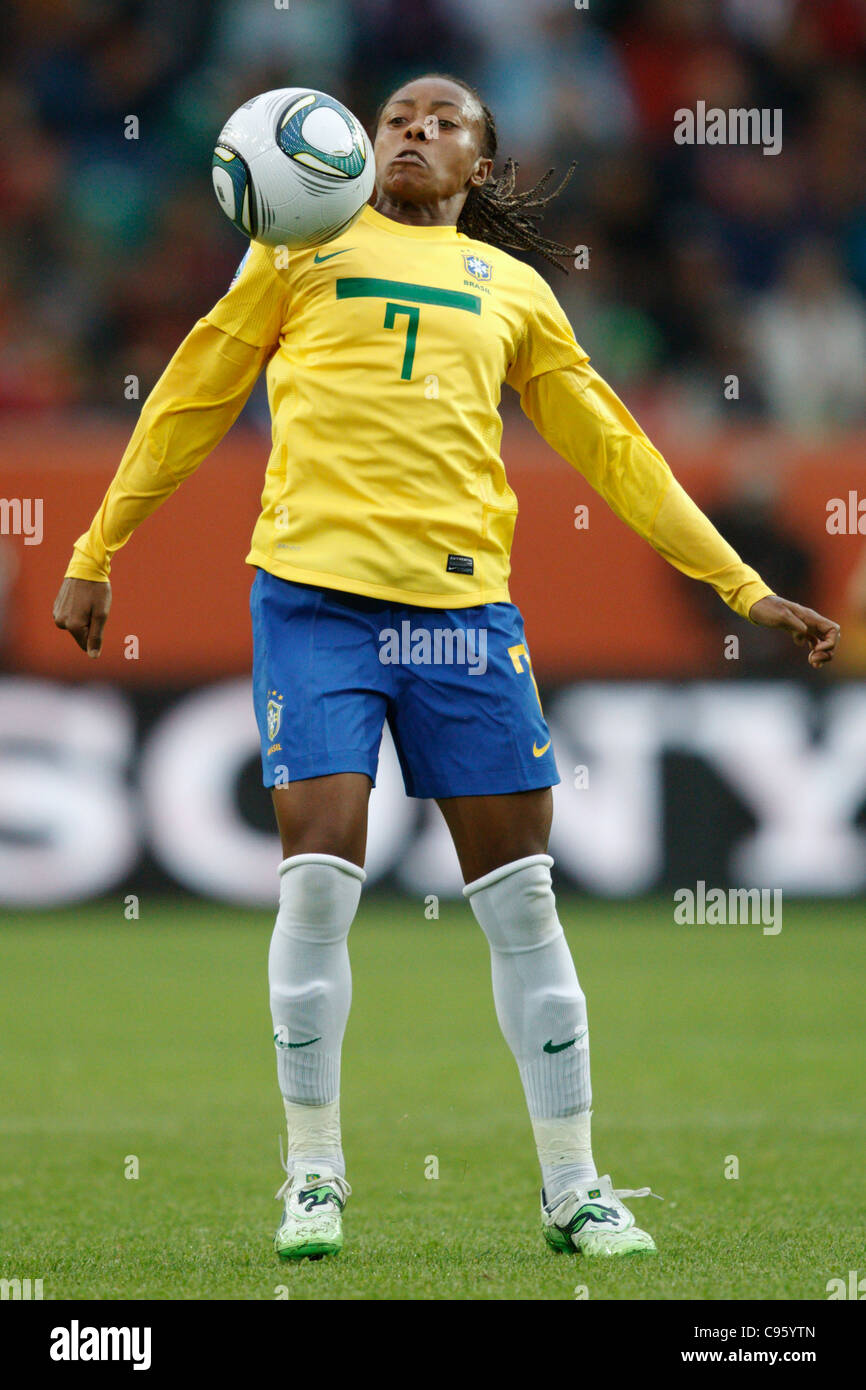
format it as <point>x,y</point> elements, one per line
<point>386,504</point>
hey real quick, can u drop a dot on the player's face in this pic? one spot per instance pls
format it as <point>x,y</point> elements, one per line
<point>428,143</point>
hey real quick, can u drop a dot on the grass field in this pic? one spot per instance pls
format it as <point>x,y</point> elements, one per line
<point>152,1038</point>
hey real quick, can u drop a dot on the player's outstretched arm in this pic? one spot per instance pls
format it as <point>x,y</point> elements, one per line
<point>194,403</point>
<point>192,406</point>
<point>581,417</point>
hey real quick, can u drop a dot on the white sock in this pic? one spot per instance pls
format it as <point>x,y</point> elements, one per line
<point>565,1153</point>
<point>541,1008</point>
<point>314,1140</point>
<point>311,991</point>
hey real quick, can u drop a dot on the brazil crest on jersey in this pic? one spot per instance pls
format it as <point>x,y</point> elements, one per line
<point>391,346</point>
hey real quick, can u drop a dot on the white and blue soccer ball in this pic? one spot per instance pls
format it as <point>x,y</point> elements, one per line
<point>293,167</point>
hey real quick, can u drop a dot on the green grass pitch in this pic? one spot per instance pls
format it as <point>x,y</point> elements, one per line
<point>152,1038</point>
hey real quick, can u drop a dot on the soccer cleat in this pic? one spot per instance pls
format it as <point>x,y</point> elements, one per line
<point>312,1224</point>
<point>593,1221</point>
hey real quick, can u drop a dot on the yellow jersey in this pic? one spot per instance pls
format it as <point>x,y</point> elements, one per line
<point>386,351</point>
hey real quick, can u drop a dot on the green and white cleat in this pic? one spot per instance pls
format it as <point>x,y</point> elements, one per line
<point>593,1221</point>
<point>312,1224</point>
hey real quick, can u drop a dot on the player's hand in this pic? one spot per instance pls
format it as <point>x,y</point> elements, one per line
<point>81,607</point>
<point>804,624</point>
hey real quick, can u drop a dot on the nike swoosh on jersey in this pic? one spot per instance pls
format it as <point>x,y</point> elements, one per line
<point>537,752</point>
<point>317,259</point>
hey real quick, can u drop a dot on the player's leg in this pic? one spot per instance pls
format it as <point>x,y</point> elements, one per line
<point>324,815</point>
<point>474,737</point>
<point>489,831</point>
<point>323,831</point>
<point>501,843</point>
<point>477,730</point>
<point>320,715</point>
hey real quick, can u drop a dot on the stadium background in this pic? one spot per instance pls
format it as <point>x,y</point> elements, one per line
<point>134,1018</point>
<point>706,263</point>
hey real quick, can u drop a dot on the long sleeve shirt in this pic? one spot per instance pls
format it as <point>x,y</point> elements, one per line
<point>386,351</point>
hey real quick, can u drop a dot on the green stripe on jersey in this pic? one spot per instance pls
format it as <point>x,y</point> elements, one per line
<point>364,287</point>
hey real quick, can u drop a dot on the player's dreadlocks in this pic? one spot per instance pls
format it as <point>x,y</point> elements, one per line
<point>496,212</point>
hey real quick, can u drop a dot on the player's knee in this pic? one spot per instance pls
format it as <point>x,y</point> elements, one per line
<point>515,905</point>
<point>319,895</point>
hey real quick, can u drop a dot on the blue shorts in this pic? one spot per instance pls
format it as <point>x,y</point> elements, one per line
<point>455,685</point>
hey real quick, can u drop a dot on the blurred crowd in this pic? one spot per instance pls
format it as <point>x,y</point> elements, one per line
<point>705,262</point>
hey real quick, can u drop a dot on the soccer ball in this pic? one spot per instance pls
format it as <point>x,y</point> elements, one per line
<point>293,168</point>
